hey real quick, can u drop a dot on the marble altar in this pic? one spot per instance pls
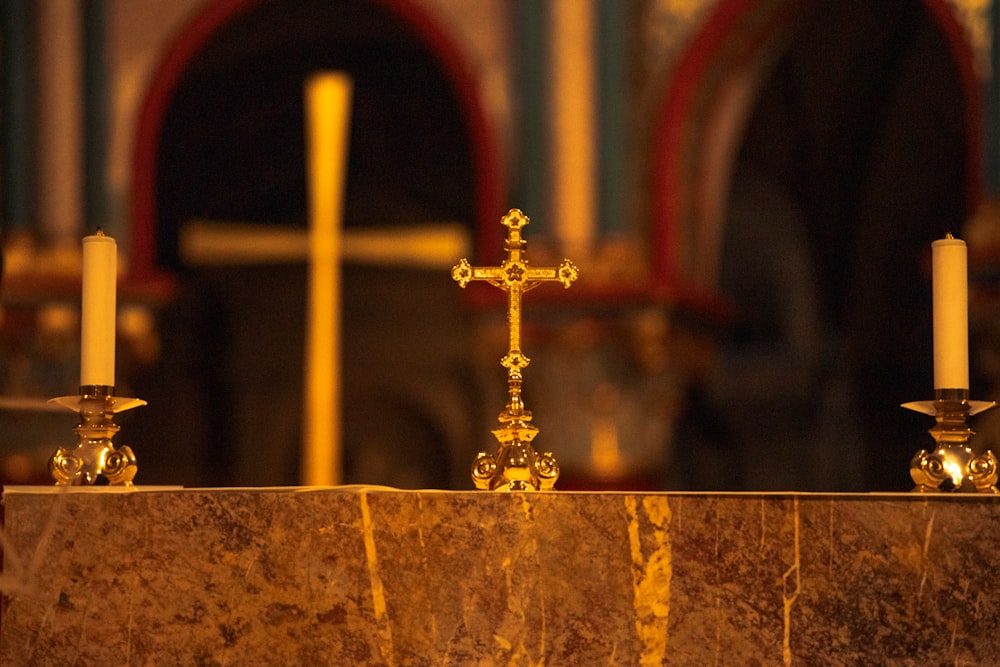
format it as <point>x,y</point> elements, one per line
<point>376,576</point>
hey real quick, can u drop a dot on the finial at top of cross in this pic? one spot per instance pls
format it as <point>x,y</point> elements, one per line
<point>516,466</point>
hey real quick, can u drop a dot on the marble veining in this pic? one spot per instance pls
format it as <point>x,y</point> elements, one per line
<point>374,576</point>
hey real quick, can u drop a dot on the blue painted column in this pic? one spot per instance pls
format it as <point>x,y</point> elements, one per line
<point>612,99</point>
<point>59,139</point>
<point>530,177</point>
<point>95,108</point>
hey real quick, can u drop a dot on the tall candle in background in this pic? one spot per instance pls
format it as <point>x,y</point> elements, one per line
<point>97,316</point>
<point>949,271</point>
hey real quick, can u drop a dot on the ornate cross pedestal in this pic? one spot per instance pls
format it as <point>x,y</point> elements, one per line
<point>516,466</point>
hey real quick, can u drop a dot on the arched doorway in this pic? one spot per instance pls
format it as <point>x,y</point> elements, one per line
<point>824,145</point>
<point>221,138</point>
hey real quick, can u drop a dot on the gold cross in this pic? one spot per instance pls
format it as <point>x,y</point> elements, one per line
<point>515,277</point>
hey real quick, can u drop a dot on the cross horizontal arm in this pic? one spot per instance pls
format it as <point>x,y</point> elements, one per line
<point>565,273</point>
<point>463,273</point>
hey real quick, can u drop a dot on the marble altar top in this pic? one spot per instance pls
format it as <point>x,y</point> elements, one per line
<point>374,576</point>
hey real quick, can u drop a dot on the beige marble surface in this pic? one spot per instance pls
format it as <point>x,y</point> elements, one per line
<point>363,576</point>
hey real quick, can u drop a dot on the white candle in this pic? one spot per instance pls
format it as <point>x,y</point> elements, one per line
<point>97,329</point>
<point>949,270</point>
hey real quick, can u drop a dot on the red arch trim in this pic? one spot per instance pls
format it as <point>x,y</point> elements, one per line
<point>964,60</point>
<point>485,150</point>
<point>147,136</point>
<point>670,199</point>
<point>669,142</point>
<point>197,33</point>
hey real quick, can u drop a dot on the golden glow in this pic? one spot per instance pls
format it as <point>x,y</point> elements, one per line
<point>974,16</point>
<point>954,471</point>
<point>210,243</point>
<point>606,458</point>
<point>328,102</point>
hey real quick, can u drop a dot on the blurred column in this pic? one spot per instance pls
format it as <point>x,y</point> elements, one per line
<point>573,125</point>
<point>95,101</point>
<point>60,122</point>
<point>17,128</point>
<point>992,110</point>
<point>531,173</point>
<point>613,119</point>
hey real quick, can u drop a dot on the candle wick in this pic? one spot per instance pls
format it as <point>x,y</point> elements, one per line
<point>949,236</point>
<point>100,232</point>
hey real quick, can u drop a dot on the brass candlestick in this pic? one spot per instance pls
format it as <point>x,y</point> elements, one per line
<point>94,455</point>
<point>953,465</point>
<point>515,466</point>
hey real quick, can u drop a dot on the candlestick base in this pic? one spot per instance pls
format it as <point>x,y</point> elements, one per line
<point>94,455</point>
<point>953,466</point>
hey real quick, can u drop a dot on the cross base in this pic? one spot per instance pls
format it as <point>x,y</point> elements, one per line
<point>515,466</point>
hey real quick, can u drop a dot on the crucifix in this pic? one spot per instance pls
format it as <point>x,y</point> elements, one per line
<point>515,466</point>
